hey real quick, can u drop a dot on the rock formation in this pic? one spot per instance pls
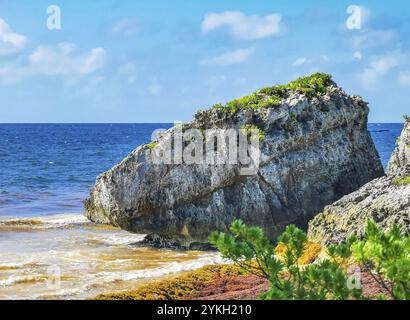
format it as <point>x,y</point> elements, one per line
<point>385,200</point>
<point>315,149</point>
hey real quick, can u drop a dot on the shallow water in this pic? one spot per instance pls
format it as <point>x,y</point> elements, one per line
<point>66,257</point>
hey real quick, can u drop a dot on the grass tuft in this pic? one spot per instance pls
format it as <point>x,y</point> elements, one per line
<point>402,181</point>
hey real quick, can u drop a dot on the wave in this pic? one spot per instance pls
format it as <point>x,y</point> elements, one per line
<point>39,223</point>
<point>105,278</point>
<point>168,269</point>
<point>13,280</point>
<point>120,239</point>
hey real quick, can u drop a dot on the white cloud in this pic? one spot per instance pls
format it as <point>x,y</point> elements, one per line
<point>373,38</point>
<point>154,89</point>
<point>365,15</point>
<point>300,61</point>
<point>230,57</point>
<point>303,61</point>
<point>129,70</point>
<point>358,17</point>
<point>357,55</point>
<point>59,60</point>
<point>126,27</point>
<point>11,74</point>
<point>10,42</point>
<point>404,78</point>
<point>244,27</point>
<point>380,66</point>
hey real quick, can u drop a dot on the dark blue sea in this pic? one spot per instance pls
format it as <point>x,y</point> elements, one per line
<point>49,168</point>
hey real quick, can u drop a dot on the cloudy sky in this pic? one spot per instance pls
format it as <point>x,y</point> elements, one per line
<point>161,60</point>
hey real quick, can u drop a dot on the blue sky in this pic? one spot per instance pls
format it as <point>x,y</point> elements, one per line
<point>161,60</point>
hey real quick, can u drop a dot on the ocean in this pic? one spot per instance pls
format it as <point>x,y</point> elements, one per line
<point>49,168</point>
<point>46,171</point>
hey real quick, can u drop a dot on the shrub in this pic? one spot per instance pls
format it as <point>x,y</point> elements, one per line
<point>312,86</point>
<point>250,249</point>
<point>247,130</point>
<point>385,255</point>
<point>253,101</point>
<point>218,106</point>
<point>279,91</point>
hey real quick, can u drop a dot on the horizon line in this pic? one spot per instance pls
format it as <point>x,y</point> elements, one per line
<point>22,123</point>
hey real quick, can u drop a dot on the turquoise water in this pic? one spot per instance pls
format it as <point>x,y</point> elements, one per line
<point>49,168</point>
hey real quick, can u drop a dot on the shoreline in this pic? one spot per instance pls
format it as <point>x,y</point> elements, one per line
<point>92,259</point>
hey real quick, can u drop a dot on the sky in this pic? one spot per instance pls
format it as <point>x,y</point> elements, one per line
<point>160,60</point>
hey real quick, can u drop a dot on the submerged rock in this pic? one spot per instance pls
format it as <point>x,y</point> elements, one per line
<point>385,200</point>
<point>315,149</point>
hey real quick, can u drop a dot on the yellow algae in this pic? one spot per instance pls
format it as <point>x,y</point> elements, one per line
<point>311,252</point>
<point>8,268</point>
<point>176,287</point>
<point>22,222</point>
<point>20,225</point>
<point>101,227</point>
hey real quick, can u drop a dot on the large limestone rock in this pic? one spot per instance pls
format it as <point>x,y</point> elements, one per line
<point>385,200</point>
<point>315,151</point>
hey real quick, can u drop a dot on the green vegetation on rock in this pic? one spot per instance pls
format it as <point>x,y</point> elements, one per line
<point>384,255</point>
<point>312,86</point>
<point>401,181</point>
<point>152,145</point>
<point>247,130</point>
<point>290,123</point>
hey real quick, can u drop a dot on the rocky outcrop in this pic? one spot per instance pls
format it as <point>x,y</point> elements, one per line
<point>385,200</point>
<point>315,149</point>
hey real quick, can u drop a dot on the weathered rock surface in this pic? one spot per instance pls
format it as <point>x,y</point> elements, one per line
<point>315,151</point>
<point>385,200</point>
